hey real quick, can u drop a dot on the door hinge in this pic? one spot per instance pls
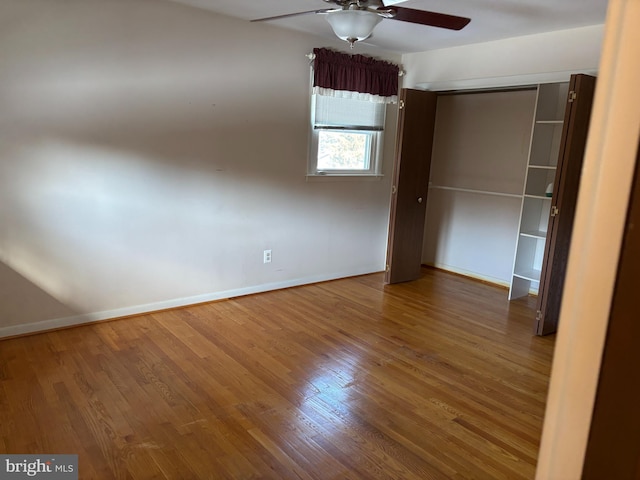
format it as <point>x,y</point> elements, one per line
<point>394,190</point>
<point>572,96</point>
<point>538,315</point>
<point>554,211</point>
<point>387,267</point>
<point>401,104</point>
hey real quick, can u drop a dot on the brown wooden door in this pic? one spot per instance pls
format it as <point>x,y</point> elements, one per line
<point>613,450</point>
<point>410,184</point>
<point>565,193</point>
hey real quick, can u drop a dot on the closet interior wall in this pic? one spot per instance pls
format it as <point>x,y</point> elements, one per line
<point>478,167</point>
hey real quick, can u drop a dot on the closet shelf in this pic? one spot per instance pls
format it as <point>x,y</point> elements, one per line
<point>532,275</point>
<point>543,167</point>
<point>480,192</point>
<point>544,149</point>
<point>534,234</point>
<point>540,197</point>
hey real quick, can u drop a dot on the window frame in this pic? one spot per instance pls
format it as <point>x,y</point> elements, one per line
<point>376,136</point>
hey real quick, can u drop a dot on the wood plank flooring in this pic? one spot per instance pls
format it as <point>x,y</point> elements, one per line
<point>350,379</point>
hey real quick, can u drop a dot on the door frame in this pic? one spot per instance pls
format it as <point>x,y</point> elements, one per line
<point>609,163</point>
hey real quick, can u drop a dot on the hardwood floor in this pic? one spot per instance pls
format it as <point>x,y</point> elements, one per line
<point>350,379</point>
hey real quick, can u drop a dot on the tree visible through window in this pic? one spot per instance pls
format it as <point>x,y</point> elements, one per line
<point>343,151</point>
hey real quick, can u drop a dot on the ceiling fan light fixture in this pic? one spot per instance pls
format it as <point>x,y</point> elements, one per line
<point>353,25</point>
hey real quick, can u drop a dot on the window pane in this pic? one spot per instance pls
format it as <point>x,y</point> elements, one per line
<point>343,151</point>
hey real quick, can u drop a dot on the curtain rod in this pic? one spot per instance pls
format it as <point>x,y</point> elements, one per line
<point>312,56</point>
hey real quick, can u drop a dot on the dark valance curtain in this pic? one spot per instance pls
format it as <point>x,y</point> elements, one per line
<point>354,73</point>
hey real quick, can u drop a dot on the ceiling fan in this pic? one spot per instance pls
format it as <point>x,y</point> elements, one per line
<point>354,20</point>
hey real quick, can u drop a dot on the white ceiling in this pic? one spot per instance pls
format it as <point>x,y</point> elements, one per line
<point>490,19</point>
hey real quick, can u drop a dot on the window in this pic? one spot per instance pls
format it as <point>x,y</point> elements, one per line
<point>348,105</point>
<point>346,136</point>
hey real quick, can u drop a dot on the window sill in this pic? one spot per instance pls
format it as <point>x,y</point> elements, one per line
<point>344,177</point>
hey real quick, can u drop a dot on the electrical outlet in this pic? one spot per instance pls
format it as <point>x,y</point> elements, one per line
<point>267,256</point>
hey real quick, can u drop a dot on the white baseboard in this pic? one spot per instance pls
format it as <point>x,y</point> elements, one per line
<point>468,273</point>
<point>84,318</point>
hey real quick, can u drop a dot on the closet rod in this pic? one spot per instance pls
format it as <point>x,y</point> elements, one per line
<point>481,192</point>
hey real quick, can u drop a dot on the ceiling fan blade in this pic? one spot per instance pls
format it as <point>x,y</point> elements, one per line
<point>324,10</point>
<point>432,19</point>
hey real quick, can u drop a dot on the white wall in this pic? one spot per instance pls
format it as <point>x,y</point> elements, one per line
<point>150,152</point>
<point>522,60</point>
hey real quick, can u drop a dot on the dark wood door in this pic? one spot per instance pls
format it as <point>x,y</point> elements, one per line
<point>410,185</point>
<point>563,202</point>
<point>613,450</point>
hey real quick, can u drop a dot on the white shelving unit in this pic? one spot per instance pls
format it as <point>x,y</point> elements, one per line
<point>536,203</point>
